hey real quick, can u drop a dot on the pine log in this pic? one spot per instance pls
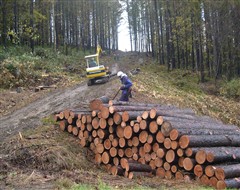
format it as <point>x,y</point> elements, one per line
<point>122,142</point>
<point>167,143</point>
<point>205,180</point>
<point>143,136</point>
<point>128,152</point>
<point>160,137</point>
<point>213,181</point>
<point>198,170</point>
<point>143,124</point>
<point>107,144</point>
<point>229,183</point>
<point>153,127</point>
<point>147,147</point>
<point>150,139</point>
<point>127,132</point>
<point>69,128</point>
<point>166,128</point>
<point>199,123</point>
<point>208,140</point>
<point>63,125</point>
<point>120,103</point>
<point>174,145</point>
<point>135,174</point>
<point>129,143</point>
<point>113,109</point>
<point>179,175</point>
<point>117,118</point>
<point>218,154</point>
<point>98,158</point>
<point>209,171</point>
<point>227,171</point>
<point>113,152</point>
<point>104,112</point>
<point>138,167</point>
<point>97,103</point>
<point>160,172</point>
<point>75,131</point>
<point>154,112</point>
<point>170,156</point>
<point>189,163</point>
<point>105,157</point>
<point>120,152</point>
<point>130,115</point>
<point>166,166</point>
<point>119,131</point>
<point>201,156</point>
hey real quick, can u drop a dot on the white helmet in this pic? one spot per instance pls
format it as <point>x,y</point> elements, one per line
<point>120,74</point>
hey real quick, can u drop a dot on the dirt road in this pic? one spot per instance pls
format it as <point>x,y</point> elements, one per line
<point>58,100</point>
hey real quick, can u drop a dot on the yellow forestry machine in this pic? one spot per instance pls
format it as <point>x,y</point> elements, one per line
<point>96,73</point>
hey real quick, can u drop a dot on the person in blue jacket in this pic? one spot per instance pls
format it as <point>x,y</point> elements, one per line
<point>126,86</point>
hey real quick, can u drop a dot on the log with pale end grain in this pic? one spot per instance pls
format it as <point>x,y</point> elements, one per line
<point>166,166</point>
<point>198,170</point>
<point>102,123</point>
<point>143,136</point>
<point>201,156</point>
<point>75,131</point>
<point>120,152</point>
<point>225,171</point>
<point>127,132</point>
<point>168,174</point>
<point>213,181</point>
<point>209,171</point>
<point>128,152</point>
<point>158,162</point>
<point>122,142</point>
<point>63,125</point>
<point>105,157</point>
<point>117,118</point>
<point>179,175</point>
<point>229,183</point>
<point>189,163</point>
<point>130,115</point>
<point>180,152</point>
<point>160,172</point>
<point>170,156</point>
<point>160,152</point>
<point>205,180</point>
<point>223,154</point>
<point>107,144</point>
<point>209,140</point>
<point>167,143</point>
<point>97,103</point>
<point>160,137</point>
<point>113,152</point>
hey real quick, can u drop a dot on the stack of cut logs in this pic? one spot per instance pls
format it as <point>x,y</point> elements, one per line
<point>137,139</point>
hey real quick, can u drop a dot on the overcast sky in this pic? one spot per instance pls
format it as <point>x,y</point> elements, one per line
<point>123,35</point>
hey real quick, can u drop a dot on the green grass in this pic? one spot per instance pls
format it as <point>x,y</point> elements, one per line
<point>18,65</point>
<point>183,89</point>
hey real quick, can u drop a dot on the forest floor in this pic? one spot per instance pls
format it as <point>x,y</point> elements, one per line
<point>35,154</point>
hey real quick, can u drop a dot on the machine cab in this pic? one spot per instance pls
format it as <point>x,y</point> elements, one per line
<point>92,61</point>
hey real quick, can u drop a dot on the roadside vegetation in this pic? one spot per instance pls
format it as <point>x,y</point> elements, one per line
<point>20,68</point>
<point>218,99</point>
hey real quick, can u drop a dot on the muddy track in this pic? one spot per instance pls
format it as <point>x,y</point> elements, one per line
<point>31,115</point>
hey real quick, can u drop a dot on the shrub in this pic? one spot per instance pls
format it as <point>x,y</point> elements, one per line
<point>231,89</point>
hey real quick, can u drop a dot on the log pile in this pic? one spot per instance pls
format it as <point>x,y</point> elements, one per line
<point>137,139</point>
